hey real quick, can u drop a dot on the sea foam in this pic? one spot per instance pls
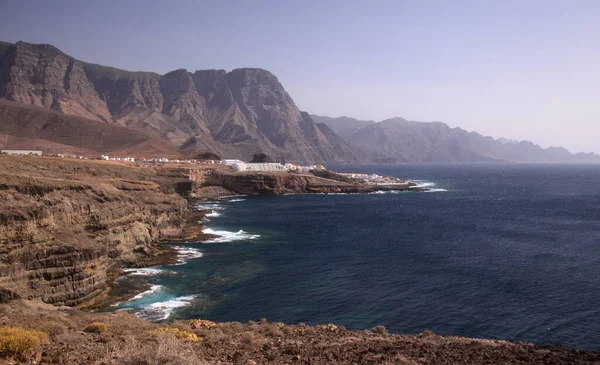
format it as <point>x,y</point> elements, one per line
<point>227,236</point>
<point>428,185</point>
<point>186,253</point>
<point>147,271</point>
<point>160,311</point>
<point>153,289</point>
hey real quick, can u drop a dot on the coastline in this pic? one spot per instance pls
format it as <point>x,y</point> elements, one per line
<point>194,230</point>
<point>130,210</point>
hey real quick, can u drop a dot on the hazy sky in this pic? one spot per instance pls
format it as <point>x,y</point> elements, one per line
<point>519,69</point>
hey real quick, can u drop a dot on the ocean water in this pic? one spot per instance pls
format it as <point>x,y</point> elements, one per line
<point>493,251</point>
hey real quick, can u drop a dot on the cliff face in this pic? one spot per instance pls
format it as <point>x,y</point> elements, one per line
<point>273,183</point>
<point>234,114</point>
<point>68,227</point>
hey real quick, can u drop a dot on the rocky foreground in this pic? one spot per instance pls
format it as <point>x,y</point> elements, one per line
<point>74,337</point>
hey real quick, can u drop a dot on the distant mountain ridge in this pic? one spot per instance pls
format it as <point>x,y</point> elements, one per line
<point>52,101</point>
<point>399,140</point>
<point>233,114</point>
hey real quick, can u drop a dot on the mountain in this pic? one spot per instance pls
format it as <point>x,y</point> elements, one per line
<point>233,114</point>
<point>343,126</point>
<point>399,140</point>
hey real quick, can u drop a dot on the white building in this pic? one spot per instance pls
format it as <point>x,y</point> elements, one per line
<point>22,152</point>
<point>230,162</point>
<point>269,167</point>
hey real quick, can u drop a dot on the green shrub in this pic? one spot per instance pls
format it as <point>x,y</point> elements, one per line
<point>96,327</point>
<point>17,340</point>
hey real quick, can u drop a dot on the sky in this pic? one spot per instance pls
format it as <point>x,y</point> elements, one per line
<point>523,69</point>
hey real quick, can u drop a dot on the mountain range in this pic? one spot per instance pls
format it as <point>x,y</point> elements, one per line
<point>400,140</point>
<point>54,102</point>
<point>233,114</point>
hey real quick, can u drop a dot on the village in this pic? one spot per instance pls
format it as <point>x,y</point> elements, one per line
<point>234,164</point>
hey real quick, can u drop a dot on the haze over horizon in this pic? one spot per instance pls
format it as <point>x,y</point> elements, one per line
<point>517,69</point>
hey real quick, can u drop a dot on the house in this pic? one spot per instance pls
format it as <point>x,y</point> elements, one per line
<point>21,152</point>
<point>268,167</point>
<point>230,162</point>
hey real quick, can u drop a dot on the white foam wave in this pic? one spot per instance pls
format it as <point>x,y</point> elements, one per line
<point>227,236</point>
<point>430,185</point>
<point>186,253</point>
<point>160,311</point>
<point>213,214</point>
<point>386,192</point>
<point>209,206</point>
<point>435,190</point>
<point>147,271</point>
<point>423,184</point>
<point>153,289</point>
<point>236,200</point>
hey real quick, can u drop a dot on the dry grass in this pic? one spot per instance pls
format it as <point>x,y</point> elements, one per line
<point>380,330</point>
<point>166,349</point>
<point>96,327</point>
<point>19,341</point>
<point>180,334</point>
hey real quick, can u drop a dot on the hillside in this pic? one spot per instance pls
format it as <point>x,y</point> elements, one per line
<point>233,114</point>
<point>343,126</point>
<point>31,127</point>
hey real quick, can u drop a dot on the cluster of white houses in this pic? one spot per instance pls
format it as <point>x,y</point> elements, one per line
<point>239,165</point>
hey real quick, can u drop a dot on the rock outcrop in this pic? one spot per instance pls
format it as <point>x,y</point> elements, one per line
<point>275,183</point>
<point>233,114</point>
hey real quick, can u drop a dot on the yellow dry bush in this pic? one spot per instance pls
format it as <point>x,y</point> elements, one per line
<point>96,327</point>
<point>202,324</point>
<point>179,334</point>
<point>17,340</point>
<point>330,327</point>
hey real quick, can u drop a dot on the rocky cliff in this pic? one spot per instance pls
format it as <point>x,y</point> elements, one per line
<point>68,227</point>
<point>234,114</point>
<point>276,183</point>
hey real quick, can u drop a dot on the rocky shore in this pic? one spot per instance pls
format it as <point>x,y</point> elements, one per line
<point>68,227</point>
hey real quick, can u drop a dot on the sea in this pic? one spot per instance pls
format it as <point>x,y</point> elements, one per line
<point>497,251</point>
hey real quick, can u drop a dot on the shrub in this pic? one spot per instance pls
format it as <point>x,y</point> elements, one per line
<point>329,327</point>
<point>380,330</point>
<point>202,324</point>
<point>251,338</point>
<point>179,334</point>
<point>96,327</point>
<point>427,334</point>
<point>272,330</point>
<point>16,340</point>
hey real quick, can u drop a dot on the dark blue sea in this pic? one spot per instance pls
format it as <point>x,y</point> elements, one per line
<point>494,251</point>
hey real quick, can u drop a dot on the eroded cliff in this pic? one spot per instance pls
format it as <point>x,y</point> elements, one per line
<point>68,227</point>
